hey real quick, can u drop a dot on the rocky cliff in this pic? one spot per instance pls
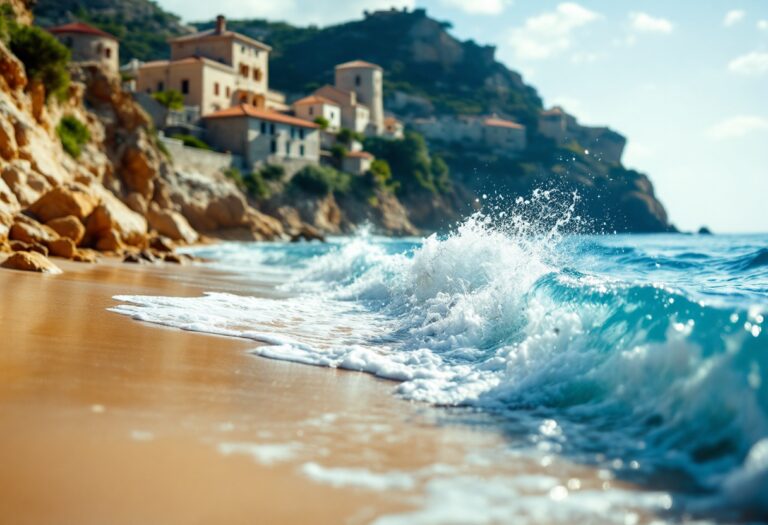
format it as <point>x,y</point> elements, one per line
<point>120,194</point>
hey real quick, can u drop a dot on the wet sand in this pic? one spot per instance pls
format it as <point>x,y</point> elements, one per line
<point>104,419</point>
<point>107,420</point>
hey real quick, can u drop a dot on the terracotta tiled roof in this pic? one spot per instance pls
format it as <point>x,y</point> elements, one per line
<point>315,99</point>
<point>391,121</point>
<point>501,123</point>
<point>211,33</point>
<point>359,155</point>
<point>81,28</point>
<point>357,64</point>
<point>246,110</point>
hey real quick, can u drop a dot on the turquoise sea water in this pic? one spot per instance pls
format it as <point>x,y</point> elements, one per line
<point>646,355</point>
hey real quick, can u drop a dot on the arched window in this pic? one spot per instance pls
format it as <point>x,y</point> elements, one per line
<point>257,74</point>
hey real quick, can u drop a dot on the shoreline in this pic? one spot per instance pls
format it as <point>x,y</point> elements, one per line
<point>105,419</point>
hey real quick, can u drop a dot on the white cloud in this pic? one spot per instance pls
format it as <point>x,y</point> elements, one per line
<point>762,25</point>
<point>751,64</point>
<point>302,12</point>
<point>733,17</point>
<point>645,23</point>
<point>478,7</point>
<point>738,126</point>
<point>549,34</point>
<point>584,57</point>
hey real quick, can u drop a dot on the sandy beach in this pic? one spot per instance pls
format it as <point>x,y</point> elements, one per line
<point>107,420</point>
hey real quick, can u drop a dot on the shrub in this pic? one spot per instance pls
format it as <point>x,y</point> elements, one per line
<point>322,122</point>
<point>45,59</point>
<point>347,136</point>
<point>338,152</point>
<point>171,99</point>
<point>322,180</point>
<point>253,183</point>
<point>272,172</point>
<point>381,175</point>
<point>191,141</point>
<point>73,135</point>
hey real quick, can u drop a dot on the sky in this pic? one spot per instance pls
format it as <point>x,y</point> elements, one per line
<point>686,81</point>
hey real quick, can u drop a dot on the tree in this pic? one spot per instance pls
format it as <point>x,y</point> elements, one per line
<point>45,59</point>
<point>347,136</point>
<point>322,122</point>
<point>171,99</point>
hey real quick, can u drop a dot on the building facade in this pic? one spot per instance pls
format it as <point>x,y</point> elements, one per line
<point>314,106</point>
<point>600,141</point>
<point>89,44</point>
<point>354,116</point>
<point>366,81</point>
<point>357,162</point>
<point>261,136</point>
<point>213,69</point>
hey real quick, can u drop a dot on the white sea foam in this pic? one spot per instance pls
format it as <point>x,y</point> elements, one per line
<point>491,318</point>
<point>264,453</point>
<point>358,478</point>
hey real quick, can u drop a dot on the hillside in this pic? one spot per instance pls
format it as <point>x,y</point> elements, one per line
<point>141,25</point>
<point>436,74</point>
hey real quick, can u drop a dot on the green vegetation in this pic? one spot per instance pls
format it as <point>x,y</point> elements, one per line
<point>338,152</point>
<point>381,176</point>
<point>322,122</point>
<point>411,164</point>
<point>347,137</point>
<point>73,135</point>
<point>45,59</point>
<point>171,99</point>
<point>273,172</point>
<point>321,180</point>
<point>191,141</point>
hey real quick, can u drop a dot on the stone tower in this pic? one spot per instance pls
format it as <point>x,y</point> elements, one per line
<point>366,80</point>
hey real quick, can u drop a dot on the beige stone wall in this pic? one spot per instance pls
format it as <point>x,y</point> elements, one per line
<point>330,112</point>
<point>505,139</point>
<point>92,48</point>
<point>367,83</point>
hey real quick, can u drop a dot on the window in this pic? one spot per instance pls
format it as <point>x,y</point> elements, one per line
<point>287,149</point>
<point>301,150</point>
<point>257,74</point>
<point>263,128</point>
<point>272,129</point>
<point>311,110</point>
<point>242,48</point>
<point>185,86</point>
<point>98,48</point>
<point>108,52</point>
<point>244,70</point>
<point>293,133</point>
<point>160,86</point>
<point>357,80</point>
<point>216,88</point>
<point>244,98</point>
<point>301,133</point>
<point>229,92</point>
<point>273,146</point>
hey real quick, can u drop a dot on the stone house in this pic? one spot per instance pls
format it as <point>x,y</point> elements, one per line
<point>313,106</point>
<point>366,81</point>
<point>213,69</point>
<point>600,141</point>
<point>354,116</point>
<point>357,162</point>
<point>393,128</point>
<point>262,136</point>
<point>504,135</point>
<point>89,44</point>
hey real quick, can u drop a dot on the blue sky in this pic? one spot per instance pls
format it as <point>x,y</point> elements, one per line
<point>685,81</point>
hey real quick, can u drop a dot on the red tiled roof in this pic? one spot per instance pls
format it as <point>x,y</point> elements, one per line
<point>315,99</point>
<point>247,110</point>
<point>356,64</point>
<point>80,27</point>
<point>359,155</point>
<point>501,123</point>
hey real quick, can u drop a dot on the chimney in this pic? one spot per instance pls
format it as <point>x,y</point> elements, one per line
<point>221,24</point>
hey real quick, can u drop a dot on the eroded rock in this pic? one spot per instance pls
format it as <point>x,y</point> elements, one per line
<point>30,262</point>
<point>69,227</point>
<point>69,199</point>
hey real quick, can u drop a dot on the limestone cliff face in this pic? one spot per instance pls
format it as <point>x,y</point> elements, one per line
<point>120,194</point>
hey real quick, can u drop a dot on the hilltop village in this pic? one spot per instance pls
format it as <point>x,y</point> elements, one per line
<point>214,90</point>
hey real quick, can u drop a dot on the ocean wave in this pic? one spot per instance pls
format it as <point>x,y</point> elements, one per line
<point>509,318</point>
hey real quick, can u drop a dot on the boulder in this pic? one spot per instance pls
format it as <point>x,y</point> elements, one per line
<point>171,224</point>
<point>23,182</point>
<point>30,262</point>
<point>85,256</point>
<point>114,216</point>
<point>173,258</point>
<point>30,231</point>
<point>69,227</point>
<point>6,221</point>
<point>110,242</point>
<point>137,203</point>
<point>139,169</point>
<point>62,247</point>
<point>18,246</point>
<point>161,244</point>
<point>68,199</point>
<point>8,201</point>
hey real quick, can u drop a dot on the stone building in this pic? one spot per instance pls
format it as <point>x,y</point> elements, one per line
<point>357,162</point>
<point>504,136</point>
<point>366,81</point>
<point>314,106</point>
<point>262,136</point>
<point>354,115</point>
<point>89,44</point>
<point>602,142</point>
<point>213,69</point>
<point>493,133</point>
